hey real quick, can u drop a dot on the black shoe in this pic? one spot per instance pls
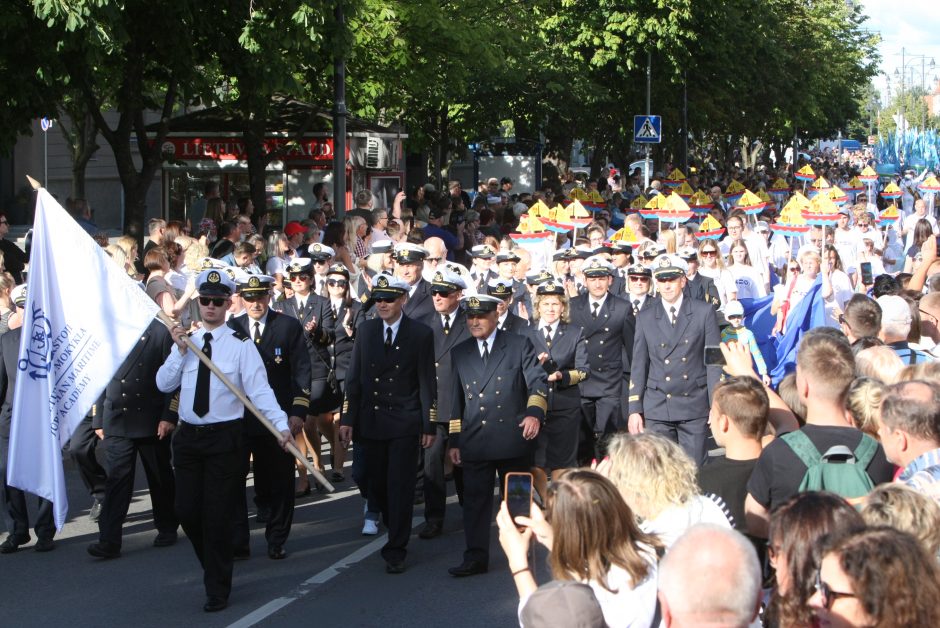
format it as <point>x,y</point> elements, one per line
<point>430,530</point>
<point>264,515</point>
<point>95,512</point>
<point>337,476</point>
<point>104,550</point>
<point>276,552</point>
<point>241,553</point>
<point>165,539</point>
<point>468,568</point>
<point>214,604</point>
<point>44,545</point>
<point>395,566</point>
<point>303,493</point>
<point>13,543</point>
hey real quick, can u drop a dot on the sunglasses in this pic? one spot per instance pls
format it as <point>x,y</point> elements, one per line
<point>708,253</point>
<point>827,594</point>
<point>636,279</point>
<point>385,299</point>
<point>442,293</point>
<point>216,301</point>
<point>735,316</point>
<point>300,277</point>
<point>320,262</point>
<point>252,297</point>
<point>342,283</point>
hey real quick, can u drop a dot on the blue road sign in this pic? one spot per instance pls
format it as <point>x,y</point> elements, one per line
<point>45,124</point>
<point>647,129</point>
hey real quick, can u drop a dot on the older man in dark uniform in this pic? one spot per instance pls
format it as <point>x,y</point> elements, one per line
<point>207,447</point>
<point>670,389</point>
<point>409,262</point>
<point>449,325</point>
<point>390,389</point>
<point>136,419</point>
<point>280,341</point>
<point>500,398</point>
<point>507,320</point>
<point>607,326</point>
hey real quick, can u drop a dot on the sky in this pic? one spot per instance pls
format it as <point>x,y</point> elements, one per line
<point>915,28</point>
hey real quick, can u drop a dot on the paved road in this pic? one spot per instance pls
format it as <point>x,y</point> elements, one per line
<point>332,576</point>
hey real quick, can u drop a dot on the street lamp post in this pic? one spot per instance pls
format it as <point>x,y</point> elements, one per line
<point>901,73</point>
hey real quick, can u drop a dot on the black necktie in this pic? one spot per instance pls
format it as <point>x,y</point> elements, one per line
<point>636,306</point>
<point>201,397</point>
<point>322,289</point>
<point>486,352</point>
<point>257,336</point>
<point>446,324</point>
<point>548,336</point>
<point>596,307</point>
<point>388,337</point>
<point>335,312</point>
<point>672,315</point>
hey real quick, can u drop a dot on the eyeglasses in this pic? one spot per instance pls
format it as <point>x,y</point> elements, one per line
<point>252,297</point>
<point>433,259</point>
<point>709,253</point>
<point>300,277</point>
<point>827,595</point>
<point>385,299</point>
<point>935,319</point>
<point>216,301</point>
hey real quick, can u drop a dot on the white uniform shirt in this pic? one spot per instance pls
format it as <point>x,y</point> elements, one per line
<point>241,363</point>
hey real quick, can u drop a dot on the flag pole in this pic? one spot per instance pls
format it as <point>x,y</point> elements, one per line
<point>265,421</point>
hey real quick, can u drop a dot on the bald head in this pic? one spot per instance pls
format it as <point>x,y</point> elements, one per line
<point>710,577</point>
<point>435,248</point>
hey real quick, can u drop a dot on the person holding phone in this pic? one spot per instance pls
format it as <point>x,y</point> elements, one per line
<point>498,405</point>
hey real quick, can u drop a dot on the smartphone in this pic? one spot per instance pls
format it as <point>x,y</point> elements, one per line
<point>714,356</point>
<point>866,273</point>
<point>518,494</point>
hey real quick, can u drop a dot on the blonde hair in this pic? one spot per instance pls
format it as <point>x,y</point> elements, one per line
<point>651,472</point>
<point>863,401</point>
<point>879,363</point>
<point>127,244</point>
<point>667,237</point>
<point>926,371</point>
<point>565,307</point>
<point>194,254</point>
<point>904,509</point>
<point>118,255</point>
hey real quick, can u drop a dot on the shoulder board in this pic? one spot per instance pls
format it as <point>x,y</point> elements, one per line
<point>239,334</point>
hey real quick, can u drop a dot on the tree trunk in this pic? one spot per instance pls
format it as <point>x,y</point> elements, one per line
<point>257,163</point>
<point>443,148</point>
<point>85,133</point>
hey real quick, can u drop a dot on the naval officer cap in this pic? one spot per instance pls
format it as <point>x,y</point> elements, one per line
<point>668,267</point>
<point>383,246</point>
<point>539,277</point>
<point>638,270</point>
<point>499,287</point>
<point>300,265</point>
<point>479,304</point>
<point>507,256</point>
<point>338,269</point>
<point>255,284</point>
<point>551,288</point>
<point>597,267</point>
<point>320,252</point>
<point>214,282</point>
<point>388,287</point>
<point>18,295</point>
<point>483,251</point>
<point>409,253</point>
<point>447,281</point>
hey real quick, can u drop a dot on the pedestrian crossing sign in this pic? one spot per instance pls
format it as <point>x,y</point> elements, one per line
<point>647,129</point>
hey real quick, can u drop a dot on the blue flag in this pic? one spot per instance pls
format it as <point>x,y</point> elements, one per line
<point>760,321</point>
<point>810,312</point>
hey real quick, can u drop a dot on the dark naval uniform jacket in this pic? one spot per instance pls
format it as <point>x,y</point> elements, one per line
<point>608,340</point>
<point>318,343</point>
<point>286,361</point>
<point>491,400</point>
<point>132,406</point>
<point>389,392</point>
<point>702,288</point>
<point>343,345</point>
<point>443,365</point>
<point>419,305</point>
<point>670,381</point>
<point>515,324</point>
<point>570,354</point>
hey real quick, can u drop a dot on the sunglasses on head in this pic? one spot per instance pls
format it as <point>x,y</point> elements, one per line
<point>342,283</point>
<point>216,301</point>
<point>385,299</point>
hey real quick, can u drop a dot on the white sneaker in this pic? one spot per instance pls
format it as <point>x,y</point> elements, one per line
<point>370,528</point>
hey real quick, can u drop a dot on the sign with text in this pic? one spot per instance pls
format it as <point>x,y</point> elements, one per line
<point>318,149</point>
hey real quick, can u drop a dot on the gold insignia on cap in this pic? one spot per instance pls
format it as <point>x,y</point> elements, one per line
<point>254,282</point>
<point>488,249</point>
<point>664,263</point>
<point>501,287</point>
<point>473,302</point>
<point>382,282</point>
<point>438,276</point>
<point>316,248</point>
<point>206,264</point>
<point>214,277</point>
<point>596,264</point>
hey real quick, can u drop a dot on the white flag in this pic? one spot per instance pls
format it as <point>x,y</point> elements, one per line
<point>83,315</point>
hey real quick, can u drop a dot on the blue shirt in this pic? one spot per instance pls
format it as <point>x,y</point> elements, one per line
<point>923,474</point>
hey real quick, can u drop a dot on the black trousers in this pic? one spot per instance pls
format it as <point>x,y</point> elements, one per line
<point>390,468</point>
<point>208,478</point>
<point>15,512</point>
<point>689,434</point>
<point>121,459</point>
<point>478,482</point>
<point>435,487</point>
<point>82,447</point>
<point>274,480</point>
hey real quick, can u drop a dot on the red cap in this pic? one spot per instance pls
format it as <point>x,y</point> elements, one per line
<point>293,228</point>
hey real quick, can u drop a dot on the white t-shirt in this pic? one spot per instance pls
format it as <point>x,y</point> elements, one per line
<point>275,266</point>
<point>723,280</point>
<point>842,291</point>
<point>672,523</point>
<point>747,281</point>
<point>910,222</point>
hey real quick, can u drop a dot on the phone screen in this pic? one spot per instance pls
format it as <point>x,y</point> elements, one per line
<point>518,494</point>
<point>714,356</point>
<point>866,273</point>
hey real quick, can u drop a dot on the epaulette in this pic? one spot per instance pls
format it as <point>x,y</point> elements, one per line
<point>240,335</point>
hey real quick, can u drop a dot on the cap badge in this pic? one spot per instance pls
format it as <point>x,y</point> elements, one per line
<point>254,282</point>
<point>382,282</point>
<point>214,277</point>
<point>473,302</point>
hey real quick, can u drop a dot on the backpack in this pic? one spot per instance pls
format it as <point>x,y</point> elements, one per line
<point>839,470</point>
